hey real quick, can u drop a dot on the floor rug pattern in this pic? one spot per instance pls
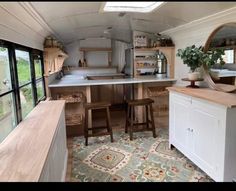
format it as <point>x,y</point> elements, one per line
<point>145,159</point>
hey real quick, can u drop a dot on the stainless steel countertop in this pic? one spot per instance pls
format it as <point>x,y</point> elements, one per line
<point>76,81</point>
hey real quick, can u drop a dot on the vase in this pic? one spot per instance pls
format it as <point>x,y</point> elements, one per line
<point>193,75</point>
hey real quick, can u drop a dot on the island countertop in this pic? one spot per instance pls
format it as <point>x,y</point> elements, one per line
<point>74,82</point>
<point>222,98</point>
<point>24,151</point>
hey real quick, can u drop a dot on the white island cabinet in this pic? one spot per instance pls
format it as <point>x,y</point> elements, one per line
<point>204,130</point>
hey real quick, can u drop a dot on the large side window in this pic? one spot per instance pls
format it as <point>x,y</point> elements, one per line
<point>24,74</point>
<point>7,107</point>
<point>21,84</point>
<point>38,68</point>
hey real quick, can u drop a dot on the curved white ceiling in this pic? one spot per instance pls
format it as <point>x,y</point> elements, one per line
<point>72,21</point>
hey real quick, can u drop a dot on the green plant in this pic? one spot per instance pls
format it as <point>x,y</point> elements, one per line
<point>213,57</point>
<point>191,56</point>
<point>194,57</point>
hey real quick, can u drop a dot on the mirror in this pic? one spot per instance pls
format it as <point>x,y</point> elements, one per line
<point>223,37</point>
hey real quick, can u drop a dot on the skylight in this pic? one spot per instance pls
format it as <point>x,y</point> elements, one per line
<point>143,7</point>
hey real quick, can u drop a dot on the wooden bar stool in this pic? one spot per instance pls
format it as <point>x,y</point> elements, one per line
<point>94,106</point>
<point>147,102</point>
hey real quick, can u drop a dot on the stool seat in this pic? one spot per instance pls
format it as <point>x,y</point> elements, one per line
<point>144,101</point>
<point>97,105</point>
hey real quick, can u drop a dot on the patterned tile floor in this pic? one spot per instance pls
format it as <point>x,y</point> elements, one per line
<point>145,159</point>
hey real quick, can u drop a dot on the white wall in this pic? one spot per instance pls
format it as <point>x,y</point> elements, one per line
<point>94,59</point>
<point>19,24</point>
<point>73,54</point>
<point>196,32</point>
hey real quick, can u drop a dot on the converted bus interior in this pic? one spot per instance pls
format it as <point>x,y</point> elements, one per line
<point>117,91</point>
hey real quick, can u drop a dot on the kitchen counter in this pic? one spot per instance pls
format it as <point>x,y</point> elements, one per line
<point>75,82</point>
<point>106,75</point>
<point>224,72</point>
<point>222,98</point>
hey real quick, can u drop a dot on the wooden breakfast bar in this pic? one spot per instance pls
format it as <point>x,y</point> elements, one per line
<point>143,87</point>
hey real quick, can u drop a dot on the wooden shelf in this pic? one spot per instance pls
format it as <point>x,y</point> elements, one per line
<point>157,91</point>
<point>154,49</point>
<point>143,59</point>
<point>96,49</point>
<point>74,119</point>
<point>229,46</point>
<point>71,98</point>
<point>143,67</point>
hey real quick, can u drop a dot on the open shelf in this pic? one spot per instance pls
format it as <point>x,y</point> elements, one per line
<point>74,119</point>
<point>71,98</point>
<point>154,48</point>
<point>144,59</point>
<point>96,49</point>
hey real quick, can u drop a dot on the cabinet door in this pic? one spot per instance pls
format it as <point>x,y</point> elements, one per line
<point>179,117</point>
<point>207,136</point>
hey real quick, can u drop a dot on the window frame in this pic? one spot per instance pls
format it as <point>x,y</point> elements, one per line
<point>11,46</point>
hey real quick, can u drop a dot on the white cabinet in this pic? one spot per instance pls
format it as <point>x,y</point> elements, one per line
<point>205,133</point>
<point>179,123</point>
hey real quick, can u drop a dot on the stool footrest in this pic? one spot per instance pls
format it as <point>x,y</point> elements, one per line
<point>95,128</point>
<point>98,134</point>
<point>144,123</point>
<point>140,130</point>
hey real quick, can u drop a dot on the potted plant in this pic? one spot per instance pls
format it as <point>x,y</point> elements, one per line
<point>192,56</point>
<point>214,57</point>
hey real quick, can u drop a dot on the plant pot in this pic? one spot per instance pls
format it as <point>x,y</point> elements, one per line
<point>193,75</point>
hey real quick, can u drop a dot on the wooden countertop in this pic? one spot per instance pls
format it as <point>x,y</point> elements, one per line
<point>24,152</point>
<point>226,99</point>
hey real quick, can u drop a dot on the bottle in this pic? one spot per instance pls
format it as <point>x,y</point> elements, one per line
<point>80,63</point>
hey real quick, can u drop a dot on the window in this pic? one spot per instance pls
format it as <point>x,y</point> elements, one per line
<point>229,56</point>
<point>21,84</point>
<point>25,81</point>
<point>7,110</point>
<point>143,7</point>
<point>38,65</point>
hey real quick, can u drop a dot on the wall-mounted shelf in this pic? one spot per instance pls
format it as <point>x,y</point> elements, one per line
<point>150,52</point>
<point>154,48</point>
<point>145,59</point>
<point>140,67</point>
<point>53,59</point>
<point>96,49</point>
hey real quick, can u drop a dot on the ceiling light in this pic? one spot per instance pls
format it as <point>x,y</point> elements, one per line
<point>143,7</point>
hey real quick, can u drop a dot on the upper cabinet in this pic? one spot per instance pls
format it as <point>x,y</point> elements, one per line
<point>54,56</point>
<point>153,54</point>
